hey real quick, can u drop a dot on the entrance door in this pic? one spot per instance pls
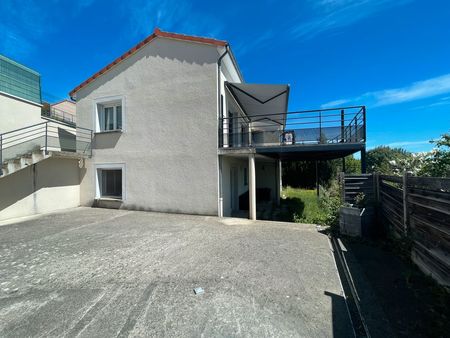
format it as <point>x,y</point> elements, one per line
<point>234,189</point>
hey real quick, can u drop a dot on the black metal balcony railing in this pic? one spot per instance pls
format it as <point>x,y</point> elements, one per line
<point>323,126</point>
<point>45,136</point>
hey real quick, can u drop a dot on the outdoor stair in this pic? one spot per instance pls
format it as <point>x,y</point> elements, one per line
<point>23,161</point>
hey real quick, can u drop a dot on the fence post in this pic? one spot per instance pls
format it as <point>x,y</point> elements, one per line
<point>405,203</point>
<point>376,182</point>
<point>342,125</point>
<point>46,137</point>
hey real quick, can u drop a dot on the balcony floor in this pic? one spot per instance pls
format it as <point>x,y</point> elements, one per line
<point>299,151</point>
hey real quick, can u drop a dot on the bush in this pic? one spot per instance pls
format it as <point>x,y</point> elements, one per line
<point>330,202</point>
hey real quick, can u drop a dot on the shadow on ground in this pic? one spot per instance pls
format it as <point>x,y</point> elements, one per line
<point>288,209</point>
<point>396,298</point>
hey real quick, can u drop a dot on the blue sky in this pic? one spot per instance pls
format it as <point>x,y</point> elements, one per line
<point>393,56</point>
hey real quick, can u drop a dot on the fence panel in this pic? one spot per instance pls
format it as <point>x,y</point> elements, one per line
<point>416,209</point>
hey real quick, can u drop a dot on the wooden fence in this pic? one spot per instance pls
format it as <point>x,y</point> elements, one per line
<point>416,209</point>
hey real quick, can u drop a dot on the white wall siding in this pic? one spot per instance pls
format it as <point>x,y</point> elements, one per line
<point>49,185</point>
<point>16,113</point>
<point>170,143</point>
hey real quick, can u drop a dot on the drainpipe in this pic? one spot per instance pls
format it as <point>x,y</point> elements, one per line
<point>219,85</point>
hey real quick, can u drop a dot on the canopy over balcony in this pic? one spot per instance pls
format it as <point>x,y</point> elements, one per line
<point>260,101</point>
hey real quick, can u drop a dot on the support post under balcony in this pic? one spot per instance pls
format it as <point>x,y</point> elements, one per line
<point>252,187</point>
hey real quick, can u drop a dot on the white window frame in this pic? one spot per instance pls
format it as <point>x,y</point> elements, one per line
<point>107,102</point>
<point>109,166</point>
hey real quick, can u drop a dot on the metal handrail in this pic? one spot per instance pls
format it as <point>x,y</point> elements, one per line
<point>49,130</point>
<point>321,127</point>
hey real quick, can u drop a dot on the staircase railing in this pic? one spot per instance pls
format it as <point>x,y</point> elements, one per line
<point>45,136</point>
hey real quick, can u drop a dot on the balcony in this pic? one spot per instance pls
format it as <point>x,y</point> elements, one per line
<point>312,134</point>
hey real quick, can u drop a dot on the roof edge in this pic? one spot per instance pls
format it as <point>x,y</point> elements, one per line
<point>156,33</point>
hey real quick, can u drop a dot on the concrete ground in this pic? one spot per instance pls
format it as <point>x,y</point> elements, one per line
<point>98,272</point>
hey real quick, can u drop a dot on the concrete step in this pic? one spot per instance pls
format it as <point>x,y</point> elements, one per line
<point>25,161</point>
<point>37,156</point>
<point>13,165</point>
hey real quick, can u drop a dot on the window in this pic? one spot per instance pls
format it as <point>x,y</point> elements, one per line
<point>111,183</point>
<point>110,117</point>
<point>245,177</point>
<point>109,114</point>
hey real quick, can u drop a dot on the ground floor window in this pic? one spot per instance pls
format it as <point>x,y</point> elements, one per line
<point>111,183</point>
<point>110,179</point>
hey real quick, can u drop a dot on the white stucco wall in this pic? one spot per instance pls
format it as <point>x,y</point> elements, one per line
<point>65,106</point>
<point>169,145</point>
<point>16,113</point>
<point>49,185</point>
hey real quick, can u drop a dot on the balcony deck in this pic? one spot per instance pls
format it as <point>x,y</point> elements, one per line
<point>305,135</point>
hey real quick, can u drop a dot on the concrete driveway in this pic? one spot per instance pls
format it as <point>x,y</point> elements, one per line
<point>98,272</point>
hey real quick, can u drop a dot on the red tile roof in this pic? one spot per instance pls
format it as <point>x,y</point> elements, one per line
<point>156,33</point>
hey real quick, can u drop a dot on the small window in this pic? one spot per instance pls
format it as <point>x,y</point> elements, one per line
<point>110,183</point>
<point>245,177</point>
<point>110,117</point>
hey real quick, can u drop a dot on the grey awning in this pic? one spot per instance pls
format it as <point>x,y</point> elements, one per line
<point>262,102</point>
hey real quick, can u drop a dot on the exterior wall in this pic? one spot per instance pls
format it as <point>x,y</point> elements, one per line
<point>65,106</point>
<point>16,113</point>
<point>49,185</point>
<point>227,164</point>
<point>169,143</point>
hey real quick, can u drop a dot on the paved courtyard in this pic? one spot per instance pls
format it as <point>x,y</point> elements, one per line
<point>97,272</point>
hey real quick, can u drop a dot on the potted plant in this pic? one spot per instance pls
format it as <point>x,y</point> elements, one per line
<point>357,219</point>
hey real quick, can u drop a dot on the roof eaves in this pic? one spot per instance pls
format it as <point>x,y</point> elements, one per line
<point>157,33</point>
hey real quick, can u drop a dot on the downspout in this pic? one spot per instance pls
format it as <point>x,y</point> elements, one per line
<point>220,110</point>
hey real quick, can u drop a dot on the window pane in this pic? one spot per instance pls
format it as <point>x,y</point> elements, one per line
<point>112,183</point>
<point>119,117</point>
<point>109,121</point>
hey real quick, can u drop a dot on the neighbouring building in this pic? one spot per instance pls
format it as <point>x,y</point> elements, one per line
<point>20,95</point>
<point>64,111</point>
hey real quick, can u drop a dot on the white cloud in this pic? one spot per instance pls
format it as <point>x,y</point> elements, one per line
<point>416,91</point>
<point>334,14</point>
<point>407,144</point>
<point>170,15</point>
<point>252,43</point>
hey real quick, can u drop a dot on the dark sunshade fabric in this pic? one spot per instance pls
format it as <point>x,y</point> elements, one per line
<point>262,102</point>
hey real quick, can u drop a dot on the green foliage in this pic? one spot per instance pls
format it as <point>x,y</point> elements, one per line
<point>302,203</point>
<point>360,200</point>
<point>323,210</point>
<point>352,165</point>
<point>389,161</point>
<point>437,163</point>
<point>302,174</point>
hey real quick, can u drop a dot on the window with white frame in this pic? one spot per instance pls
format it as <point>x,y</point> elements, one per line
<point>111,185</point>
<point>109,114</point>
<point>110,181</point>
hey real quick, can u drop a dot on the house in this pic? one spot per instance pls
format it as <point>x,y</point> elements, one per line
<point>64,111</point>
<point>169,126</point>
<point>20,95</point>
<point>177,129</point>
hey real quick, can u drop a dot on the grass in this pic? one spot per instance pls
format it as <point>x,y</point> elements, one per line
<point>303,204</point>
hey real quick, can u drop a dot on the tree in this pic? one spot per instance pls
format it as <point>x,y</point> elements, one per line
<point>437,163</point>
<point>388,161</point>
<point>352,165</point>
